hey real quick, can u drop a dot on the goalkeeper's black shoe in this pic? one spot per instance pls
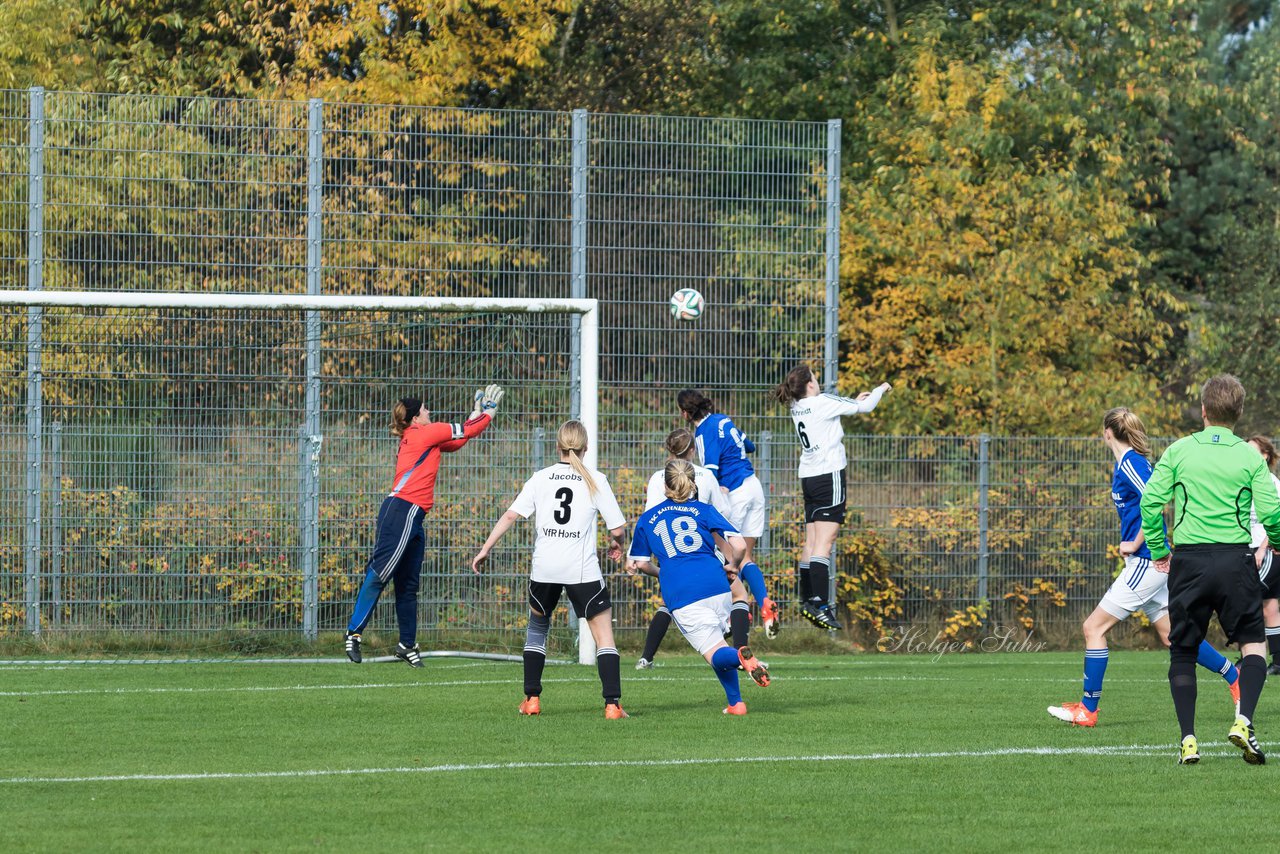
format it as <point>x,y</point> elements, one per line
<point>1274,669</point>
<point>353,647</point>
<point>409,654</point>
<point>820,616</point>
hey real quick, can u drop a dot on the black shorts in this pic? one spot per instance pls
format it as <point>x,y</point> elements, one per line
<point>824,497</point>
<point>588,598</point>
<point>1214,578</point>
<point>1269,575</point>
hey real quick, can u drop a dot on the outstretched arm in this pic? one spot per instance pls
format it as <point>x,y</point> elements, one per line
<point>865,402</point>
<point>472,427</point>
<point>504,523</point>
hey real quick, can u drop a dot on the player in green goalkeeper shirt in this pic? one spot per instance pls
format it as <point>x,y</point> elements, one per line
<point>1213,477</point>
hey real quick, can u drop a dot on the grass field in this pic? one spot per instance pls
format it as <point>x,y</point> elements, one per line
<point>868,752</point>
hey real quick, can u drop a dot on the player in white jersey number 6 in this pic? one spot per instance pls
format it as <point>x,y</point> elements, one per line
<point>564,500</point>
<point>822,480</point>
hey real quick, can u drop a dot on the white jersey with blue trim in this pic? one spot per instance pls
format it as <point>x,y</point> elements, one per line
<point>821,435</point>
<point>564,512</point>
<point>708,490</point>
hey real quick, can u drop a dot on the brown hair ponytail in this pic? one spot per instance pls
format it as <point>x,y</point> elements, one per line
<point>794,386</point>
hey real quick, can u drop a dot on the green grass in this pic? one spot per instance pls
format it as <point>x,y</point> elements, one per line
<point>829,758</point>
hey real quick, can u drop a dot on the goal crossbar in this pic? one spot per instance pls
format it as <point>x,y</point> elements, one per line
<point>588,310</point>
<point>586,337</point>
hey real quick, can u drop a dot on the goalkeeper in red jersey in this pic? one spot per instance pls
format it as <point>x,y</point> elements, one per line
<point>398,549</point>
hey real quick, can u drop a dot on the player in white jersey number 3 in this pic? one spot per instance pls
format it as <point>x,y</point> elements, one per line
<point>564,500</point>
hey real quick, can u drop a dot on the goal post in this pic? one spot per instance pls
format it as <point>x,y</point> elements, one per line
<point>136,413</point>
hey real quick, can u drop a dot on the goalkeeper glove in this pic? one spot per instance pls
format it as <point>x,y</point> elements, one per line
<point>489,399</point>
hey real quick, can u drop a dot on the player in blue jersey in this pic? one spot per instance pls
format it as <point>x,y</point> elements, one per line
<point>723,449</point>
<point>683,534</point>
<point>679,445</point>
<point>1139,586</point>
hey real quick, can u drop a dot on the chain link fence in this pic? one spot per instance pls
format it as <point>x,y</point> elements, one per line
<point>125,512</point>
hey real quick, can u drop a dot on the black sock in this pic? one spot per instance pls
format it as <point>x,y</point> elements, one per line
<point>1182,685</point>
<point>819,579</point>
<point>1273,643</point>
<point>739,623</point>
<point>1253,672</point>
<point>534,662</point>
<point>607,665</point>
<point>802,575</point>
<point>657,631</point>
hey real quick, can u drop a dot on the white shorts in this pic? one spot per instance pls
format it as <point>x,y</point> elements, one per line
<point>746,508</point>
<point>1139,588</point>
<point>703,623</point>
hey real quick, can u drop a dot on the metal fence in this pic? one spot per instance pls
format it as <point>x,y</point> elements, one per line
<point>154,521</point>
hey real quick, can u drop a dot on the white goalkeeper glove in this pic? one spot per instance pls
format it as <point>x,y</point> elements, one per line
<point>489,398</point>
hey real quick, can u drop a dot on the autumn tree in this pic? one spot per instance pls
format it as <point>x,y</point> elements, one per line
<point>409,52</point>
<point>993,280</point>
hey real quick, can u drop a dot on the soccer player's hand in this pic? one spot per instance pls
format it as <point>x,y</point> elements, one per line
<point>479,400</point>
<point>1128,547</point>
<point>1162,565</point>
<point>614,552</point>
<point>478,561</point>
<point>489,401</point>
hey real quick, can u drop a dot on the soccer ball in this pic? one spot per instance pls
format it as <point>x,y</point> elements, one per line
<point>687,304</point>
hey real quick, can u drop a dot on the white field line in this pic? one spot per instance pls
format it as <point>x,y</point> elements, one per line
<point>1119,750</point>
<point>456,683</point>
<point>264,689</point>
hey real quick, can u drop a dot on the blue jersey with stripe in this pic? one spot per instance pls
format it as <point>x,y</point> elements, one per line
<point>680,535</point>
<point>723,449</point>
<point>1127,484</point>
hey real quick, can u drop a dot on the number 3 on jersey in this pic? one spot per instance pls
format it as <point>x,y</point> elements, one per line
<point>561,514</point>
<point>682,538</point>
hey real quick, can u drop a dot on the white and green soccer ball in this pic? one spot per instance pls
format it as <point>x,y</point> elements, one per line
<point>687,304</point>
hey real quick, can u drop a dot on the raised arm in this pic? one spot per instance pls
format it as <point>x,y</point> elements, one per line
<point>865,402</point>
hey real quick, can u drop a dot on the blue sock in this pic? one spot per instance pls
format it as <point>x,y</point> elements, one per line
<point>1210,659</point>
<point>1095,666</point>
<point>725,662</point>
<point>754,579</point>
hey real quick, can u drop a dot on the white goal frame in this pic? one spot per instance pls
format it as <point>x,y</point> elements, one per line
<point>585,340</point>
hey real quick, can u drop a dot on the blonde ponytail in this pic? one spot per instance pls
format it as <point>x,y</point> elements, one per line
<point>571,439</point>
<point>1126,426</point>
<point>678,478</point>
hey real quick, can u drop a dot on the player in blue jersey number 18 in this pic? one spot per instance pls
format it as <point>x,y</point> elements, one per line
<point>683,534</point>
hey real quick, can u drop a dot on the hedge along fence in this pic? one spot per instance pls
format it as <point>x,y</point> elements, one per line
<point>204,538</point>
